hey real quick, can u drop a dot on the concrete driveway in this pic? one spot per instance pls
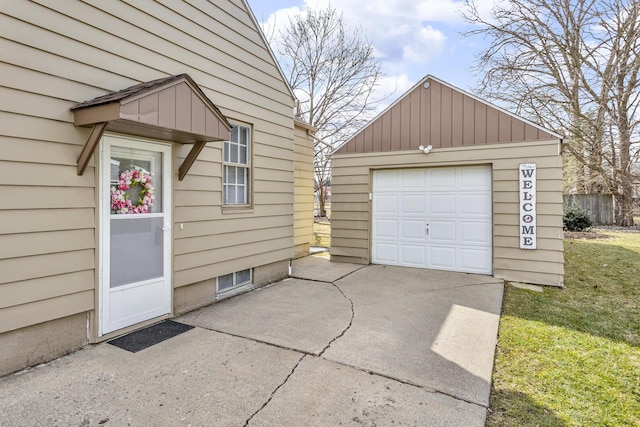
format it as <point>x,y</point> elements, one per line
<point>337,344</point>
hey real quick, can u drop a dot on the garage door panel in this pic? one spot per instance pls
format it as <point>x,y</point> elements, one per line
<point>386,180</point>
<point>386,204</point>
<point>385,253</point>
<point>442,231</point>
<point>413,255</point>
<point>474,178</point>
<point>413,179</point>
<point>442,204</point>
<point>453,203</point>
<point>442,257</point>
<point>442,179</point>
<point>412,229</point>
<point>475,260</point>
<point>475,232</point>
<point>474,204</point>
<point>386,229</point>
<point>413,203</point>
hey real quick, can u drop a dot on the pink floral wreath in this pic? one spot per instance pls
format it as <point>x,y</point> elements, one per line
<point>120,201</point>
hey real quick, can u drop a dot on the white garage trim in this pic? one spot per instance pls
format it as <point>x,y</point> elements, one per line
<point>437,218</point>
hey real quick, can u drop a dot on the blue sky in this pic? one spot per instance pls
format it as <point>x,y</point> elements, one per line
<point>412,38</point>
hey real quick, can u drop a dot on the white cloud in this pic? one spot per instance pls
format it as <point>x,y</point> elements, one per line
<point>427,44</point>
<point>440,11</point>
<point>401,30</point>
<point>388,90</point>
<point>278,20</point>
<point>485,8</point>
<point>395,10</point>
<point>408,36</point>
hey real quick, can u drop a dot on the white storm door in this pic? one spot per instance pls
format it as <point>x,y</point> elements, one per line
<point>135,261</point>
<point>438,218</point>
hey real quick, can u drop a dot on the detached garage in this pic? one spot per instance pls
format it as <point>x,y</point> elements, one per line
<point>443,180</point>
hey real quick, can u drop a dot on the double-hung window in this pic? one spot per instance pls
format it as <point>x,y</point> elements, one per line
<point>237,167</point>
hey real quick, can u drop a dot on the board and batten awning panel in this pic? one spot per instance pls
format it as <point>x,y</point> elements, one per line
<point>171,109</point>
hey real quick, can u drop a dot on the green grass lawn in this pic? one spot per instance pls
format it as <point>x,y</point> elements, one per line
<point>572,357</point>
<point>321,234</point>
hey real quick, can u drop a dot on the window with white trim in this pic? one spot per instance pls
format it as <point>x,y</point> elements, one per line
<point>234,280</point>
<point>237,167</point>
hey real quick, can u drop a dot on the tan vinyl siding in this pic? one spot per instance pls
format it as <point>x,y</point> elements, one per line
<point>40,220</point>
<point>303,192</point>
<point>235,263</point>
<point>27,244</point>
<point>12,318</point>
<point>351,185</point>
<point>55,55</point>
<point>44,288</point>
<point>441,117</point>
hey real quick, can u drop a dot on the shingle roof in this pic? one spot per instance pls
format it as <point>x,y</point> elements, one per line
<point>130,91</point>
<point>141,88</point>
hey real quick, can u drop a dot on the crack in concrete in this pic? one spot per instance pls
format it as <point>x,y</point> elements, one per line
<point>327,281</point>
<point>275,391</point>
<point>351,272</point>
<point>353,311</point>
<point>256,340</point>
<point>341,334</point>
<point>304,353</point>
<point>405,382</point>
<point>381,375</point>
<point>312,280</point>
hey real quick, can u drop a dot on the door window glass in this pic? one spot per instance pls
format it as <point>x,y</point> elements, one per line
<point>137,237</point>
<point>135,181</point>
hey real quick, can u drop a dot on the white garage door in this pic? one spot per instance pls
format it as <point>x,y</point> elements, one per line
<point>437,218</point>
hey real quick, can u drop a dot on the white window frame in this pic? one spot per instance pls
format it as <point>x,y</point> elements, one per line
<point>236,287</point>
<point>236,164</point>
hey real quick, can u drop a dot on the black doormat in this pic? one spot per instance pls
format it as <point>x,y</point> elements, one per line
<point>144,338</point>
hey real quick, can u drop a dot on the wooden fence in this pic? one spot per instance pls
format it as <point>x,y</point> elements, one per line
<point>599,206</point>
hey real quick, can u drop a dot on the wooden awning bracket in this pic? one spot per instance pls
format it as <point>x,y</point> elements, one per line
<point>171,108</point>
<point>190,159</point>
<point>89,147</point>
<point>96,134</point>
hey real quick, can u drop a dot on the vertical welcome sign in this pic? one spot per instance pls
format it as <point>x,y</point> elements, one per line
<point>527,191</point>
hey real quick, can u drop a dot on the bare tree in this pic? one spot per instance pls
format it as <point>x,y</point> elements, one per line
<point>572,65</point>
<point>332,70</point>
<point>322,172</point>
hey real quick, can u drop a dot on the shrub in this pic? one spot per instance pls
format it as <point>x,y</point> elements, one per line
<point>575,218</point>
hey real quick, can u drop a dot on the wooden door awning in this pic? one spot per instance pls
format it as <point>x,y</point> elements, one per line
<point>171,109</point>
